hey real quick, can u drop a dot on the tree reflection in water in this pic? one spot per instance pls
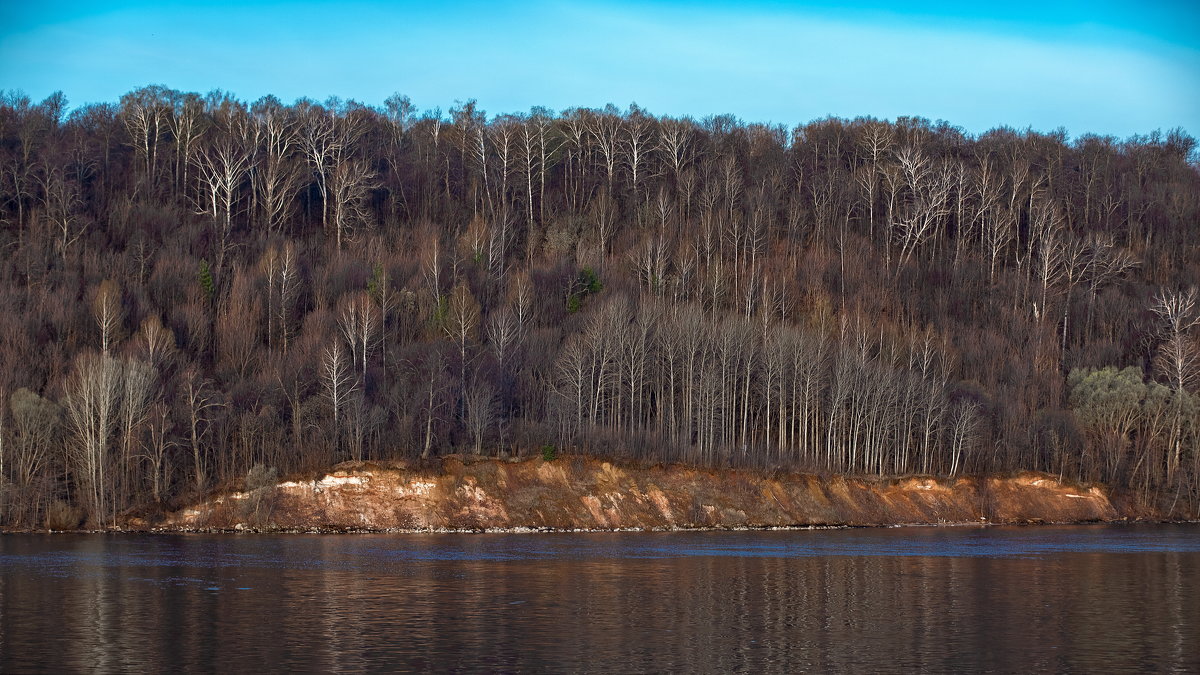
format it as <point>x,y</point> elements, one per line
<point>1007,599</point>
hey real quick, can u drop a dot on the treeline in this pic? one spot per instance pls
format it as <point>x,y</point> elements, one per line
<point>194,286</point>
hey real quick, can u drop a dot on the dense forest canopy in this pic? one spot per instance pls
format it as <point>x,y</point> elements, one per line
<point>194,287</point>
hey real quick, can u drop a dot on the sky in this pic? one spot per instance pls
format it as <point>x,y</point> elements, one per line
<point>1106,67</point>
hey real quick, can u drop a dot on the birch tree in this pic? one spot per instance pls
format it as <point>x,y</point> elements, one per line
<point>339,384</point>
<point>92,402</point>
<point>1178,361</point>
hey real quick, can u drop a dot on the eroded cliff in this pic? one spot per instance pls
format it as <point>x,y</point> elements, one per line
<point>579,493</point>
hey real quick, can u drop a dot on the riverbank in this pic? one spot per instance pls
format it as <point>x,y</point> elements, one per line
<point>462,493</point>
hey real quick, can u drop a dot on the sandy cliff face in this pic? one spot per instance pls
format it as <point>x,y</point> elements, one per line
<point>590,494</point>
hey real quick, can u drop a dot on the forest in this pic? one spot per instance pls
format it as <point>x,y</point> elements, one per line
<point>195,287</point>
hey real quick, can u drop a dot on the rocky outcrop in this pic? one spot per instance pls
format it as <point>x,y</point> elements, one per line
<point>578,493</point>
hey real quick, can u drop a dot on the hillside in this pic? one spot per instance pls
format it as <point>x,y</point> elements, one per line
<point>194,288</point>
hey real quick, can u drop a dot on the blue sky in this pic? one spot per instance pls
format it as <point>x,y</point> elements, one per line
<point>1106,67</point>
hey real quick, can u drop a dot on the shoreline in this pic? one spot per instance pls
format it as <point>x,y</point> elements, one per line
<point>579,530</point>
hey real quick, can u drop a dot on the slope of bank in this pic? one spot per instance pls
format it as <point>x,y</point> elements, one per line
<point>461,493</point>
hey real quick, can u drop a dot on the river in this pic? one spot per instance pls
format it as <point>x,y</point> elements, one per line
<point>1010,599</point>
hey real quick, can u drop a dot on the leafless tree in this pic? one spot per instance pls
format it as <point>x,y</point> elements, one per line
<point>186,123</point>
<point>62,200</point>
<point>434,372</point>
<point>145,115</point>
<point>223,167</point>
<point>360,324</point>
<point>201,405</point>
<point>636,146</point>
<point>503,330</point>
<point>350,182</point>
<point>155,342</point>
<point>1178,360</point>
<point>339,383</point>
<point>92,403</point>
<point>159,445</point>
<point>109,313</point>
<point>276,174</point>
<point>280,267</point>
<point>480,411</point>
<point>929,185</point>
<point>27,449</point>
<point>964,426</point>
<point>138,389</point>
<point>461,324</point>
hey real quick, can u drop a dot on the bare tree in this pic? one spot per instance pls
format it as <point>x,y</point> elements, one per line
<point>1048,257</point>
<point>604,130</point>
<point>92,403</point>
<point>186,122</point>
<point>523,299</point>
<point>433,373</point>
<point>62,200</point>
<point>480,399</point>
<point>676,147</point>
<point>1178,360</point>
<point>636,145</point>
<point>362,420</point>
<point>201,404</point>
<point>387,300</point>
<point>155,342</point>
<point>461,324</point>
<point>138,380</point>
<point>360,324</point>
<point>535,149</point>
<point>350,182</point>
<point>280,267</point>
<point>321,144</point>
<point>160,444</point>
<point>999,232</point>
<point>1104,263</point>
<point>929,186</point>
<point>276,175</point>
<point>223,166</point>
<point>503,330</point>
<point>339,383</point>
<point>875,143</point>
<point>109,313</point>
<point>964,426</point>
<point>145,115</point>
<point>571,384</point>
<point>28,450</point>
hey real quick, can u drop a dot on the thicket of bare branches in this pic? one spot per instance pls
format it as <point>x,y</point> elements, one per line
<point>193,286</point>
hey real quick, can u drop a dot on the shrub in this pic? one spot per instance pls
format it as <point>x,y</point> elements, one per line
<point>63,516</point>
<point>549,453</point>
<point>259,500</point>
<point>260,476</point>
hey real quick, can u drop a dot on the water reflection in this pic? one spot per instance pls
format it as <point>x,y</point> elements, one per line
<point>939,600</point>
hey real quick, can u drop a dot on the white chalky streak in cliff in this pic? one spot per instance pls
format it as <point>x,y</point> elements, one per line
<point>416,488</point>
<point>332,481</point>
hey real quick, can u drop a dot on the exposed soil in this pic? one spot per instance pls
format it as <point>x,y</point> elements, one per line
<point>576,493</point>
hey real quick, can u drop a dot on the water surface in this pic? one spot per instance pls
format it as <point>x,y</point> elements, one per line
<point>1079,598</point>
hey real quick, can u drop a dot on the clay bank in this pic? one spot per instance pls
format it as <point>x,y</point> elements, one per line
<point>463,493</point>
